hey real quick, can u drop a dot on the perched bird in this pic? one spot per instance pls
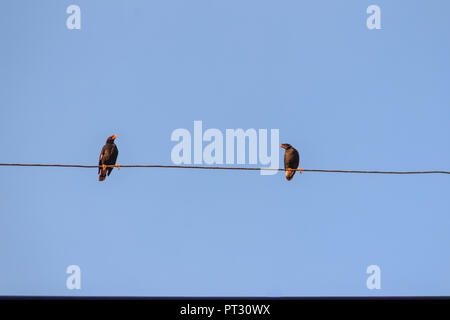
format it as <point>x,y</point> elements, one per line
<point>108,156</point>
<point>291,160</point>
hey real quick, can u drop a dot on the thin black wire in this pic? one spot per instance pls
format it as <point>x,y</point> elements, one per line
<point>215,168</point>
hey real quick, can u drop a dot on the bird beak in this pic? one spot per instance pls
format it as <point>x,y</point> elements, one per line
<point>282,146</point>
<point>114,136</point>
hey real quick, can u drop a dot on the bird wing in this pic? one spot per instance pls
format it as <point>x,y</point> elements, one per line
<point>296,160</point>
<point>291,159</point>
<point>100,160</point>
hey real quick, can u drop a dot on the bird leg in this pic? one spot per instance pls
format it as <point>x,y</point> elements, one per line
<point>118,166</point>
<point>104,167</point>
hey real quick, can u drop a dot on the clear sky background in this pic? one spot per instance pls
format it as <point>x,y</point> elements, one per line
<point>346,97</point>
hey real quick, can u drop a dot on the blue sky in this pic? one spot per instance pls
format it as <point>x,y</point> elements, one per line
<point>346,97</point>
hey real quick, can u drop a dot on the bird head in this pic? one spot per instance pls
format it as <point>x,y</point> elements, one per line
<point>286,146</point>
<point>111,139</point>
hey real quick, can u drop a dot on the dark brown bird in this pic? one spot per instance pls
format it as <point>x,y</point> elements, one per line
<point>291,160</point>
<point>108,156</point>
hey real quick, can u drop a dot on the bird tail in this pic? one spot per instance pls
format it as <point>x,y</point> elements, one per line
<point>290,174</point>
<point>102,175</point>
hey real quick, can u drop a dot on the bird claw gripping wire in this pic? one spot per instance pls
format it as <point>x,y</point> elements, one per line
<point>300,170</point>
<point>118,166</point>
<point>104,167</point>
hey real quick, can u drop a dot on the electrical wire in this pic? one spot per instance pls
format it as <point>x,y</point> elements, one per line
<point>217,168</point>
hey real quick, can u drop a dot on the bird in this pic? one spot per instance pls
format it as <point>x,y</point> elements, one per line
<point>108,156</point>
<point>291,160</point>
